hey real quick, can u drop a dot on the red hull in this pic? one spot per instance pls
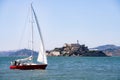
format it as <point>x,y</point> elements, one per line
<point>29,67</point>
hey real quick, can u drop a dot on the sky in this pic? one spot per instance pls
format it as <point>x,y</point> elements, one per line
<point>92,22</point>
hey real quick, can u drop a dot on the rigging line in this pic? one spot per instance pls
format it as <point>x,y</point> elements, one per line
<point>24,29</point>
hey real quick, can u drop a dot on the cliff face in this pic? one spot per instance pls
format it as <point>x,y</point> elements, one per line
<point>74,50</point>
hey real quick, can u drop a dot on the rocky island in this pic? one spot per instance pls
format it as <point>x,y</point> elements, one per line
<point>75,49</point>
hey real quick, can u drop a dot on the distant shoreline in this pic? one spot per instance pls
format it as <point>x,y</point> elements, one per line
<point>108,50</point>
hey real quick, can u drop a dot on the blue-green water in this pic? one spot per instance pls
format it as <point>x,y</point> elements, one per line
<point>66,68</point>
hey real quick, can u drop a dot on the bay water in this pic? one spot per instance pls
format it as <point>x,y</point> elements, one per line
<point>66,68</point>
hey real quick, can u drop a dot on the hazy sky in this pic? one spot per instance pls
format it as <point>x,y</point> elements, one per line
<point>92,22</point>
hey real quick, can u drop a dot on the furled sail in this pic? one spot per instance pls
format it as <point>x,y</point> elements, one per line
<point>42,55</point>
<point>25,59</point>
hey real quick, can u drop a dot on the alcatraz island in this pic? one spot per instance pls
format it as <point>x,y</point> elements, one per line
<point>75,49</point>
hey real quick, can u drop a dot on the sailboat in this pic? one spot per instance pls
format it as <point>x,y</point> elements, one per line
<point>26,64</point>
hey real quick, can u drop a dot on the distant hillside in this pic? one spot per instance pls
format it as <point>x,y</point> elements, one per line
<point>111,50</point>
<point>22,52</point>
<point>105,47</point>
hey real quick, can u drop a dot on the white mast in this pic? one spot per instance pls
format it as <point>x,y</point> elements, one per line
<point>32,38</point>
<point>42,54</point>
